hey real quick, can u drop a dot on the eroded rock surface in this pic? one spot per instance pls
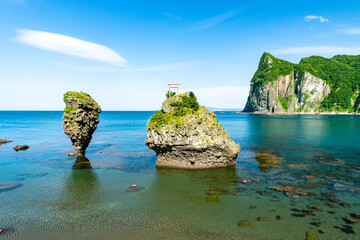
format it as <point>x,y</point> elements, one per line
<point>3,141</point>
<point>186,135</point>
<point>21,148</point>
<point>80,119</point>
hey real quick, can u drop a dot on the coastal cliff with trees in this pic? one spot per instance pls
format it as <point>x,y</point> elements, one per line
<point>315,85</point>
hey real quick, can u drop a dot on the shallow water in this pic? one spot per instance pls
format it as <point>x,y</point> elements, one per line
<point>316,155</point>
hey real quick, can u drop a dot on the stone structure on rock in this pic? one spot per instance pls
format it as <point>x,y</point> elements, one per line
<point>315,85</point>
<point>186,135</point>
<point>81,117</point>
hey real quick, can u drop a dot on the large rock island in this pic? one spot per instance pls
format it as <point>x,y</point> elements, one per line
<point>81,116</point>
<point>186,135</point>
<point>315,85</point>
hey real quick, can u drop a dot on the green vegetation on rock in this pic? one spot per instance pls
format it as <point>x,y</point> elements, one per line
<point>285,102</point>
<point>187,105</point>
<point>270,68</point>
<point>341,73</point>
<point>170,94</point>
<point>82,98</point>
<point>185,111</point>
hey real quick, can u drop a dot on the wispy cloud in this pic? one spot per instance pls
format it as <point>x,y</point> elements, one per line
<point>317,50</point>
<point>351,31</point>
<point>210,22</point>
<point>173,17</point>
<point>70,46</point>
<point>312,17</point>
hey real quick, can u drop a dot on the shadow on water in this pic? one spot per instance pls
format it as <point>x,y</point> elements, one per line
<point>81,188</point>
<point>82,162</point>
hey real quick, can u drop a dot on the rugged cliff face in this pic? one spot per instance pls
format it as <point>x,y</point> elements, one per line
<point>186,135</point>
<point>80,119</point>
<point>314,85</point>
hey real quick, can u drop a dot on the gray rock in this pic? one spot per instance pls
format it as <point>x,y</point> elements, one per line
<point>81,116</point>
<point>3,141</point>
<point>21,147</point>
<point>192,141</point>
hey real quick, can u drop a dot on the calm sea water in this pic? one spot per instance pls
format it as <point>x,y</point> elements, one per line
<point>314,155</point>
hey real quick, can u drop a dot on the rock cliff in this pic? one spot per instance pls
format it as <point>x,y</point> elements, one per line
<point>314,85</point>
<point>80,119</point>
<point>186,135</point>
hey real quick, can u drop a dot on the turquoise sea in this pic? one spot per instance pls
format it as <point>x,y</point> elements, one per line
<point>316,159</point>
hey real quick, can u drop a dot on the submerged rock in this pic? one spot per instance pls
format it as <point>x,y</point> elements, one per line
<point>21,148</point>
<point>3,141</point>
<point>245,223</point>
<point>186,135</point>
<point>81,116</point>
<point>268,159</point>
<point>263,219</point>
<point>311,236</point>
<point>289,189</point>
<point>9,186</point>
<point>134,188</point>
<point>350,220</point>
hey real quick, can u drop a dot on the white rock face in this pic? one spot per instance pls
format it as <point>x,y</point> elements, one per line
<point>280,96</point>
<point>311,92</point>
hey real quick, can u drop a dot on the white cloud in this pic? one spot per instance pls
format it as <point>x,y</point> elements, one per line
<point>312,17</point>
<point>70,46</point>
<point>210,22</point>
<point>351,31</point>
<point>223,97</point>
<point>317,50</point>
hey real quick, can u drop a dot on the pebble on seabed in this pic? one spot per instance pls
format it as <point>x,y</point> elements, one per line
<point>133,188</point>
<point>263,219</point>
<point>350,220</point>
<point>1,231</point>
<point>311,236</point>
<point>244,223</point>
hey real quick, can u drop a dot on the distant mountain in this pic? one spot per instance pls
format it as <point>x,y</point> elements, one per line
<point>315,85</point>
<point>224,109</point>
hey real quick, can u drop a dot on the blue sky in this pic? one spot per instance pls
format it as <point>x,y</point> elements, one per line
<point>124,53</point>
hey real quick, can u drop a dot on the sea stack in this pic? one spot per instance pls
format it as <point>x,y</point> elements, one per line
<point>81,117</point>
<point>186,135</point>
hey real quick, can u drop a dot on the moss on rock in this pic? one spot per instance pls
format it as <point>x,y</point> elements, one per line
<point>184,130</point>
